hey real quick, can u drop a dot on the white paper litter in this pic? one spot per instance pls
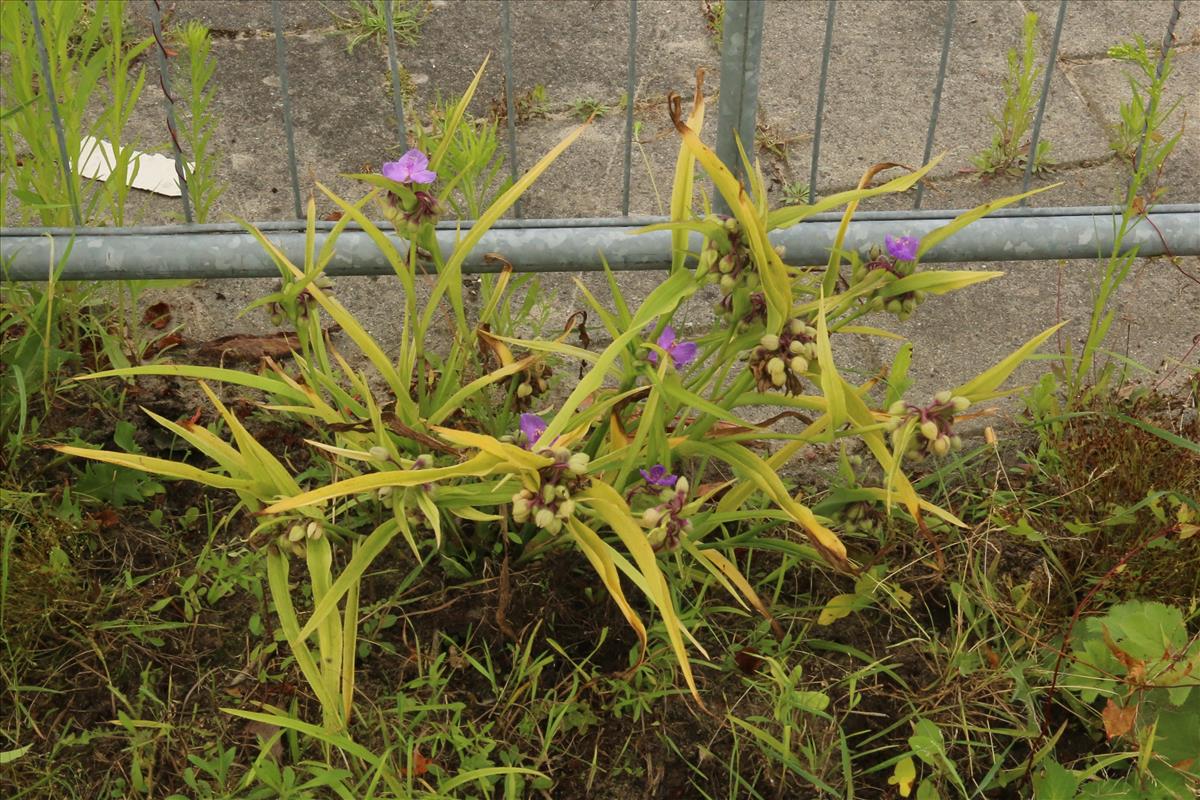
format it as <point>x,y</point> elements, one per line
<point>154,172</point>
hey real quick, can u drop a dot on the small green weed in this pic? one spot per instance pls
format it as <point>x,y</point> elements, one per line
<point>585,108</point>
<point>367,21</point>
<point>1008,151</point>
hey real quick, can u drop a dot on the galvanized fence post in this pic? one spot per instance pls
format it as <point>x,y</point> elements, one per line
<point>741,47</point>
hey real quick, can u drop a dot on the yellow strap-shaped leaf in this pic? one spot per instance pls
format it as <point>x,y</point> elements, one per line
<point>481,464</point>
<point>157,466</point>
<point>600,556</point>
<point>685,176</point>
<point>612,508</point>
<point>754,469</point>
<point>509,453</point>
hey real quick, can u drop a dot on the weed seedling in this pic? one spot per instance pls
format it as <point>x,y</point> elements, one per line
<point>1007,153</point>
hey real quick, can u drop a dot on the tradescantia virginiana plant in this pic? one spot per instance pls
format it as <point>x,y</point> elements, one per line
<point>464,447</point>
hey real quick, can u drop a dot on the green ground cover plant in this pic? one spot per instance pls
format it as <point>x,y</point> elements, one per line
<point>510,560</point>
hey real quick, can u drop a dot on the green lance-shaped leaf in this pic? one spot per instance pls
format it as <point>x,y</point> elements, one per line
<point>263,383</point>
<point>790,215</point>
<point>937,282</point>
<point>451,273</point>
<point>985,385</point>
<point>753,469</point>
<point>662,300</point>
<point>348,323</point>
<point>600,555</point>
<point>455,117</point>
<point>931,239</point>
<point>832,385</point>
<point>281,596</point>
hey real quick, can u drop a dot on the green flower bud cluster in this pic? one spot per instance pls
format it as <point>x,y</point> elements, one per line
<point>289,304</point>
<point>665,522</point>
<point>408,218</point>
<point>901,305</point>
<point>935,425</point>
<point>531,383</point>
<point>299,535</point>
<point>860,518</point>
<point>552,503</point>
<point>731,264</point>
<point>781,361</point>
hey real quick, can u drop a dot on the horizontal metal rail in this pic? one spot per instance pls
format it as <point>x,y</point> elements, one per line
<point>229,251</point>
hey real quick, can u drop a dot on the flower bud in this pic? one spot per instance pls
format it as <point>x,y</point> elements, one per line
<point>296,533</point>
<point>798,365</point>
<point>379,453</point>
<point>727,283</point>
<point>770,342</point>
<point>682,485</point>
<point>752,281</point>
<point>941,398</point>
<point>561,493</point>
<point>385,492</point>
<point>548,495</point>
<point>566,508</point>
<point>578,463</point>
<point>894,307</point>
<point>524,390</point>
<point>731,225</point>
<point>423,461</point>
<point>561,454</point>
<point>929,430</point>
<point>960,403</point>
<point>544,518</point>
<point>898,408</point>
<point>555,525</point>
<point>652,516</point>
<point>520,507</point>
<point>956,442</point>
<point>775,366</point>
<point>657,537</point>
<point>298,549</point>
<point>941,445</point>
<point>796,327</point>
<point>726,264</point>
<point>777,379</point>
<point>314,530</point>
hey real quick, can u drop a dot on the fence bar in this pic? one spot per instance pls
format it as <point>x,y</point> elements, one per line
<point>510,103</point>
<point>227,251</point>
<point>741,47</point>
<point>816,150</point>
<point>947,33</point>
<point>630,89</point>
<point>65,158</point>
<point>394,66</point>
<point>1168,41</point>
<point>1041,110</point>
<point>164,83</point>
<point>281,67</point>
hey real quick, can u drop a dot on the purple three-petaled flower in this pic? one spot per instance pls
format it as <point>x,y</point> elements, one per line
<point>658,476</point>
<point>533,427</point>
<point>681,353</point>
<point>902,249</point>
<point>413,167</point>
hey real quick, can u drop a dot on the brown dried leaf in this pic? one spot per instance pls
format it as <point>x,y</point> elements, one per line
<point>1118,721</point>
<point>247,347</point>
<point>157,316</point>
<point>748,660</point>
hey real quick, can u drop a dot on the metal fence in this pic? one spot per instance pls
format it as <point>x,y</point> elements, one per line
<point>209,251</point>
